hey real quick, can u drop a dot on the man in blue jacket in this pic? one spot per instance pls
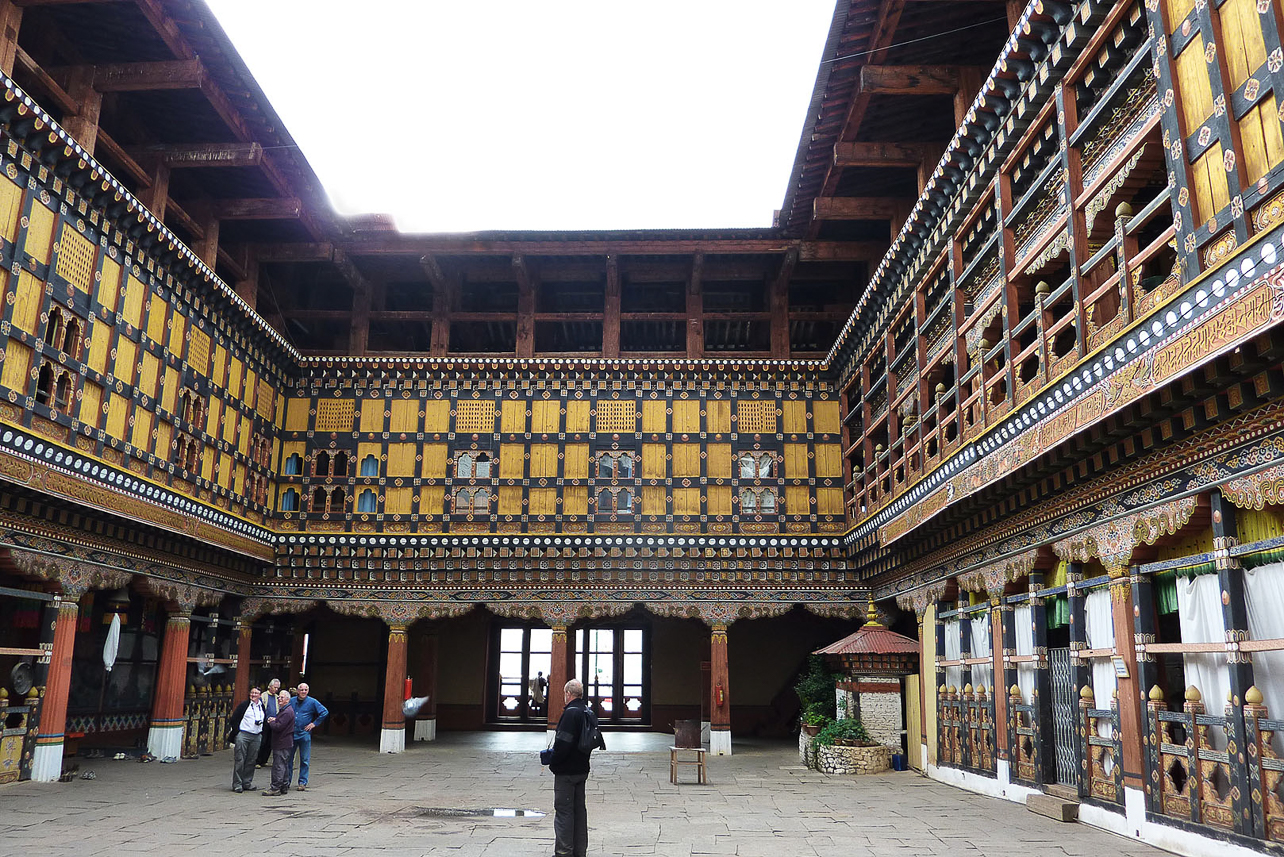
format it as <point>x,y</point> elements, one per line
<point>570,769</point>
<point>308,713</point>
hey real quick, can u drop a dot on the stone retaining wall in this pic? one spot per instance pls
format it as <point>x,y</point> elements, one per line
<point>853,760</point>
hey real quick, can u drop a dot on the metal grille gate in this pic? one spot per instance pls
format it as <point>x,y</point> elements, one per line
<point>1064,710</point>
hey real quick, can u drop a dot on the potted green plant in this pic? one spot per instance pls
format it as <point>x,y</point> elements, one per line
<point>845,732</point>
<point>814,718</point>
<point>815,690</point>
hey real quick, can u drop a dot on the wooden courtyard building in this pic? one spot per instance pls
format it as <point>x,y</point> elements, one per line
<point>1009,361</point>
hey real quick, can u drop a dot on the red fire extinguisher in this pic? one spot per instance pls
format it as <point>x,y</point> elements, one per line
<point>409,684</point>
<point>719,695</point>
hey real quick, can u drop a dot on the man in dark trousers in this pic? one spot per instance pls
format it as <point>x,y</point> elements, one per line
<point>570,769</point>
<point>281,725</point>
<point>269,708</point>
<point>245,731</point>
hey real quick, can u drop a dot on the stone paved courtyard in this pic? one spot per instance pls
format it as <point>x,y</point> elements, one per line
<point>759,803</point>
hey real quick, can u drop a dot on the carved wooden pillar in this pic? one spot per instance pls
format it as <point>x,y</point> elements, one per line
<point>426,685</point>
<point>1000,625</point>
<point>10,23</point>
<point>165,738</point>
<point>720,693</point>
<point>392,738</point>
<point>558,675</point>
<point>58,637</point>
<point>244,634</point>
<point>1046,748</point>
<point>1128,688</point>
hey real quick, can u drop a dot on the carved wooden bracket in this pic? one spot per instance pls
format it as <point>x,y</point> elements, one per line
<point>1114,541</point>
<point>75,578</point>
<point>253,608</point>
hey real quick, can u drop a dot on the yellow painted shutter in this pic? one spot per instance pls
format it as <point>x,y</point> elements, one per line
<point>157,310</point>
<point>654,500</point>
<point>405,416</point>
<point>829,501</point>
<point>543,460</point>
<point>40,229</point>
<point>719,500</point>
<point>125,364</point>
<point>796,461</point>
<point>435,461</point>
<point>437,415</point>
<point>117,414</point>
<point>543,501</point>
<point>825,418</point>
<point>297,413</point>
<point>10,209</point>
<point>718,462</point>
<point>654,465</point>
<point>797,500</point>
<point>430,499</point>
<point>654,417</point>
<point>546,416</point>
<point>372,415</point>
<point>718,416</point>
<point>510,499</point>
<point>795,416</point>
<point>132,310</point>
<point>686,501</point>
<point>577,416</point>
<point>575,500</point>
<point>177,332</point>
<point>575,465</point>
<point>686,416</point>
<point>686,460</point>
<point>513,416</point>
<point>401,459</point>
<point>829,460</point>
<point>29,297</point>
<point>397,501</point>
<point>91,404</point>
<point>16,368</point>
<point>109,286</point>
<point>512,461</point>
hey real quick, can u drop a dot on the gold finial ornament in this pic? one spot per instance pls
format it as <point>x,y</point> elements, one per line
<point>1253,696</point>
<point>1087,694</point>
<point>1193,694</point>
<point>871,613</point>
<point>1156,693</point>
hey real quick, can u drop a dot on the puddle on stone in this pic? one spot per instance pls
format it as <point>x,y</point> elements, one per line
<point>497,812</point>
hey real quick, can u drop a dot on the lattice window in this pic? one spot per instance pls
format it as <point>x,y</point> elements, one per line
<point>77,258</point>
<point>335,415</point>
<point>756,417</point>
<point>617,416</point>
<point>758,501</point>
<point>198,351</point>
<point>475,417</point>
<point>615,465</point>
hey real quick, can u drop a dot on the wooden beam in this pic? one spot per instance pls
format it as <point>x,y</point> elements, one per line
<point>913,79</point>
<point>270,208</point>
<point>82,124</point>
<point>611,313</point>
<point>970,80</point>
<point>204,154</point>
<point>380,243</point>
<point>359,328</point>
<point>842,251</point>
<point>525,308</point>
<point>857,207</point>
<point>157,193</point>
<point>140,76</point>
<point>10,23</point>
<point>207,246</point>
<point>695,308</point>
<point>778,300</point>
<point>302,251</point>
<point>897,155</point>
<point>444,298</point>
<point>248,286</point>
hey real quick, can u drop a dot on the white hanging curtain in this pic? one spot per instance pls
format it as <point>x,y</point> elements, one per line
<point>1264,592</point>
<point>953,651</point>
<point>1101,635</point>
<point>111,646</point>
<point>1199,610</point>
<point>1023,616</point>
<point>982,674</point>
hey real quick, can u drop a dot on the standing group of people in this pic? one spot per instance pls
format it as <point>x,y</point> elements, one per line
<point>276,725</point>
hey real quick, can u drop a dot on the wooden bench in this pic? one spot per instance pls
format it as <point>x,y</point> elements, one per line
<point>676,760</point>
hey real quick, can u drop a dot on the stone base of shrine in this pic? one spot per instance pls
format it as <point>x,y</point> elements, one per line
<point>853,760</point>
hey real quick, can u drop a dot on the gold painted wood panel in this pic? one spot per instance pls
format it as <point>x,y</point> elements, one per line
<point>372,416</point>
<point>546,416</point>
<point>512,461</point>
<point>543,501</point>
<point>512,418</point>
<point>825,418</point>
<point>654,465</point>
<point>125,365</point>
<point>543,460</point>
<point>401,459</point>
<point>29,297</point>
<point>77,258</point>
<point>157,310</point>
<point>40,228</point>
<point>177,334</point>
<point>510,499</point>
<point>718,416</point>
<point>718,460</point>
<point>15,370</point>
<point>1259,132</point>
<point>796,466</point>
<point>1190,74</point>
<point>829,501</point>
<point>169,391</point>
<point>10,209</point>
<point>795,416</point>
<point>719,500</point>
<point>829,460</point>
<point>437,416</point>
<point>654,500</point>
<point>397,501</point>
<point>686,416</point>
<point>575,500</point>
<point>430,499</point>
<point>577,416</point>
<point>686,460</point>
<point>132,309</point>
<point>434,460</point>
<point>405,416</point>
<point>109,287</point>
<point>117,414</point>
<point>1241,39</point>
<point>655,419</point>
<point>575,464</point>
<point>686,501</point>
<point>91,402</point>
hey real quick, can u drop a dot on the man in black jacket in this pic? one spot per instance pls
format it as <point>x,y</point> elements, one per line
<point>570,769</point>
<point>245,731</point>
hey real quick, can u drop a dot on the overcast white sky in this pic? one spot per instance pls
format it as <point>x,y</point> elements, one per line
<point>514,114</point>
